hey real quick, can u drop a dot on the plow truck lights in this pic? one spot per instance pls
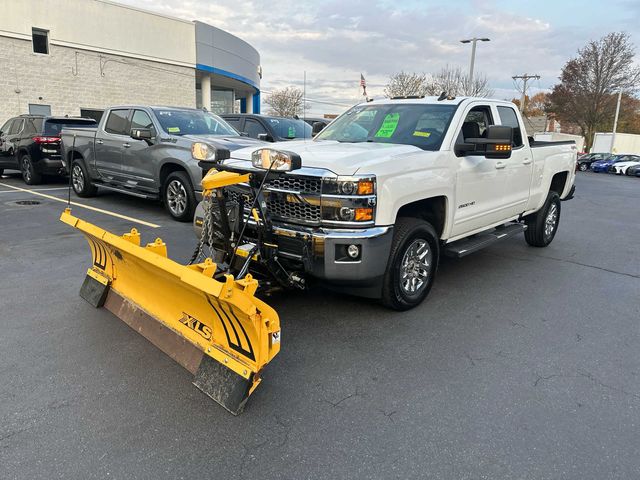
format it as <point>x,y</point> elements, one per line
<point>206,320</point>
<point>275,160</point>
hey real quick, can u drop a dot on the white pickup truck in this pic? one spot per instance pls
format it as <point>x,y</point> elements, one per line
<point>391,185</point>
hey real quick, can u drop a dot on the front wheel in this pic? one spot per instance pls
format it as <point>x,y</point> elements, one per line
<point>412,265</point>
<point>179,197</point>
<point>543,225</point>
<point>584,167</point>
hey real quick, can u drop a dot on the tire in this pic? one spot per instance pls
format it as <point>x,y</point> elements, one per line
<point>29,174</point>
<point>543,225</point>
<point>80,180</point>
<point>410,238</point>
<point>583,167</point>
<point>179,197</point>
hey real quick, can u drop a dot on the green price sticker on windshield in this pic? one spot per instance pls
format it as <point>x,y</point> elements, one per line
<point>292,132</point>
<point>173,129</point>
<point>389,125</point>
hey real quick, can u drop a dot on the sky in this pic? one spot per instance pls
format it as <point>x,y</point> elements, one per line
<point>334,41</point>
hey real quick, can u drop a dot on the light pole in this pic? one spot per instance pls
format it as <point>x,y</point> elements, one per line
<point>473,42</point>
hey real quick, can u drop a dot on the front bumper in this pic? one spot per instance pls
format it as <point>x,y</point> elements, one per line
<point>320,252</point>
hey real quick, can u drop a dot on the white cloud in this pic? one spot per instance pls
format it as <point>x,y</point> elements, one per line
<point>334,41</point>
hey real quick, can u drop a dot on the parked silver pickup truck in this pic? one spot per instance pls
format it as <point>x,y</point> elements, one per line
<point>149,152</point>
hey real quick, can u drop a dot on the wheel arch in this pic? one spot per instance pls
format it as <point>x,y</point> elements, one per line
<point>433,210</point>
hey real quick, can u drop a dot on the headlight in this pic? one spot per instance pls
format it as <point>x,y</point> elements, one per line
<point>349,199</point>
<point>275,160</point>
<point>356,185</point>
<point>208,153</point>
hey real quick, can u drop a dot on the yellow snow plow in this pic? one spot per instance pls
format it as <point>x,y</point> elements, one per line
<point>204,315</point>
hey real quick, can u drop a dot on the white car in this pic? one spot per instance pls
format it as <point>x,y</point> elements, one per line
<point>620,168</point>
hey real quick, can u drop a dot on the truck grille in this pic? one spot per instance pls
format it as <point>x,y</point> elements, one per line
<point>279,205</point>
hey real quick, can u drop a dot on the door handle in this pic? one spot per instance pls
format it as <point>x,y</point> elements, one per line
<point>99,142</point>
<point>526,161</point>
<point>500,165</point>
<point>126,145</point>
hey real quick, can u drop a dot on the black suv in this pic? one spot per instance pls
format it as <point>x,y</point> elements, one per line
<point>267,128</point>
<point>31,144</point>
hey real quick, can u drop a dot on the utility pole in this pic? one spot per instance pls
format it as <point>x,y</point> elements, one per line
<point>615,122</point>
<point>473,42</point>
<point>525,78</point>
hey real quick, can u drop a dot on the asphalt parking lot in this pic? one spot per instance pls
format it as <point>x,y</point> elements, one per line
<point>523,364</point>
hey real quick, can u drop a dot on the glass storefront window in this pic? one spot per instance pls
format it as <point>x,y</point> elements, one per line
<point>222,101</point>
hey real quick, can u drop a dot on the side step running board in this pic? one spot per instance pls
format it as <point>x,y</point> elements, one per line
<point>149,196</point>
<point>477,242</point>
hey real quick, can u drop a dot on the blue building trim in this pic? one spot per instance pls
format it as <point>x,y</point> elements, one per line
<point>243,105</point>
<point>224,73</point>
<point>256,102</point>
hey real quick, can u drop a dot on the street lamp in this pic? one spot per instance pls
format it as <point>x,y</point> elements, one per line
<point>473,41</point>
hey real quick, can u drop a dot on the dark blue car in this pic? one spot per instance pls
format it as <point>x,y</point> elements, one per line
<point>603,165</point>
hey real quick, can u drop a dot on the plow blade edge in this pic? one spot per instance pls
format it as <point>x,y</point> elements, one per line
<point>217,330</point>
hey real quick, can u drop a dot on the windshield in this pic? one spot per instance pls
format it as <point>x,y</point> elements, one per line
<point>53,127</point>
<point>290,128</point>
<point>192,122</point>
<point>421,125</point>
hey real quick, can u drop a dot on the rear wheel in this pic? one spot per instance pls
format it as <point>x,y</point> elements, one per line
<point>179,197</point>
<point>543,225</point>
<point>80,180</point>
<point>412,265</point>
<point>583,167</point>
<point>29,174</point>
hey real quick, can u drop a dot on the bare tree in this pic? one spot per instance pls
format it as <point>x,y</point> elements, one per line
<point>286,102</point>
<point>454,81</point>
<point>589,83</point>
<point>405,84</point>
<point>450,80</point>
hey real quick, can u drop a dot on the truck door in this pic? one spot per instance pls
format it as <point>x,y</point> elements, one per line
<point>480,180</point>
<point>517,169</point>
<point>111,140</point>
<point>137,160</point>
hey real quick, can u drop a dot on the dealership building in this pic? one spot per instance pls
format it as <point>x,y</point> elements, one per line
<point>77,57</point>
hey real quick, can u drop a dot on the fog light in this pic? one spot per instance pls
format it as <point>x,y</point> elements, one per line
<point>353,251</point>
<point>347,214</point>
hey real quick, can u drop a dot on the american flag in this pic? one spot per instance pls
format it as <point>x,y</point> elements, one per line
<point>363,83</point>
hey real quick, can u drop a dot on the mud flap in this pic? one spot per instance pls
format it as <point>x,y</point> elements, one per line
<point>217,330</point>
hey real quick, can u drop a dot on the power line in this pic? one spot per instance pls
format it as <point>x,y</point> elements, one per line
<point>525,78</point>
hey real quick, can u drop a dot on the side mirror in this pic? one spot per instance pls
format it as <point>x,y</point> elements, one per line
<point>140,133</point>
<point>265,137</point>
<point>497,144</point>
<point>317,128</point>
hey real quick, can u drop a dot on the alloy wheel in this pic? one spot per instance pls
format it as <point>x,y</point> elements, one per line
<point>176,198</point>
<point>415,267</point>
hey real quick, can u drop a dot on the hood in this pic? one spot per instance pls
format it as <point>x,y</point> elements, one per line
<point>339,158</point>
<point>230,142</point>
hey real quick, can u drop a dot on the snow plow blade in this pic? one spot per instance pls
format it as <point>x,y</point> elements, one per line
<point>218,330</point>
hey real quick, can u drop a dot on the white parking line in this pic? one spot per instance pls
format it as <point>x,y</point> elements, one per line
<point>106,212</point>
<point>37,189</point>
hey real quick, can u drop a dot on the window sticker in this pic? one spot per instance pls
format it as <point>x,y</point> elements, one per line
<point>292,132</point>
<point>418,133</point>
<point>173,129</point>
<point>389,125</point>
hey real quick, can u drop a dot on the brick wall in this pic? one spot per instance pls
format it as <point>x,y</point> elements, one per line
<point>125,80</point>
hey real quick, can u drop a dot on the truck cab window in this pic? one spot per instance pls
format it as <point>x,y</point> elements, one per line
<point>253,128</point>
<point>117,122</point>
<point>141,119</point>
<point>508,118</point>
<point>476,122</point>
